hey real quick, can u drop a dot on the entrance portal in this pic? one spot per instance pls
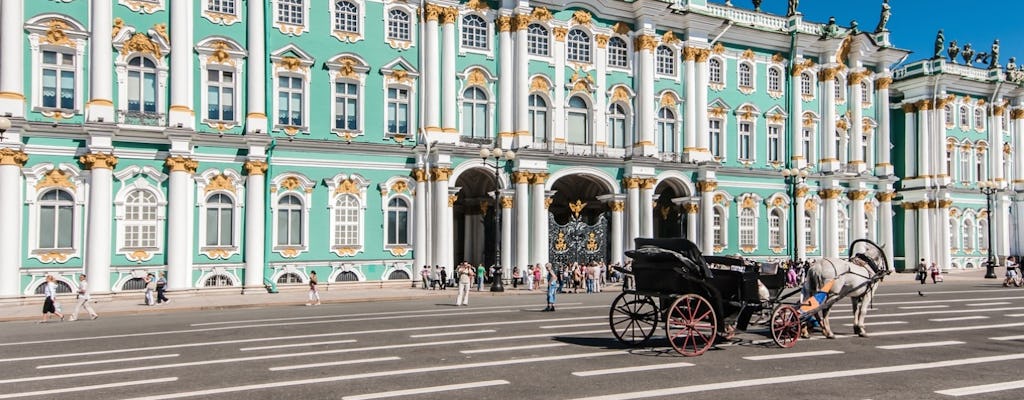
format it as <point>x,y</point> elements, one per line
<point>578,223</point>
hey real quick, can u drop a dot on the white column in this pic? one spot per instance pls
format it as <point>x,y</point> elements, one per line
<point>857,214</point>
<point>799,209</point>
<point>539,213</point>
<point>924,241</point>
<point>857,156</point>
<point>830,156</point>
<point>691,147</point>
<point>521,70</point>
<point>633,209</point>
<point>181,65</point>
<point>702,105</point>
<point>522,209</point>
<point>644,46</point>
<point>796,121</point>
<point>1001,240</point>
<point>883,165</point>
<point>924,139</point>
<point>995,129</point>
<point>12,69</point>
<point>448,76</point>
<point>557,132</point>
<point>419,247</point>
<point>11,161</point>
<point>1018,212</point>
<point>255,222</point>
<point>910,129</point>
<point>255,78</point>
<point>101,64</point>
<point>616,231</point>
<point>98,234</point>
<point>447,234</point>
<point>647,207</point>
<point>911,254</point>
<point>885,228</point>
<point>944,258</point>
<point>830,222</point>
<point>506,237</point>
<point>430,67</point>
<point>179,213</point>
<point>506,101</point>
<point>707,216</point>
<point>442,219</point>
<point>1017,120</point>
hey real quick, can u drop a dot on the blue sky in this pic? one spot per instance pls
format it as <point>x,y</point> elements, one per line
<point>914,22</point>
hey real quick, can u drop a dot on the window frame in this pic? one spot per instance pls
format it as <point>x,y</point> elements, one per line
<point>776,156</point>
<point>231,184</point>
<point>718,144</point>
<point>338,14</point>
<point>747,149</point>
<point>59,69</point>
<point>291,27</point>
<point>664,64</point>
<point>480,100</point>
<point>578,50</point>
<point>532,116</point>
<point>776,222</point>
<point>979,119</point>
<point>471,36</point>
<point>807,86</point>
<point>667,125</point>
<point>614,52</point>
<point>299,187</point>
<point>78,39</point>
<point>775,81</point>
<point>338,186</point>
<point>587,120</point>
<point>211,52</point>
<point>747,229</point>
<point>388,209</point>
<point>716,72</point>
<point>222,17</point>
<point>140,179</point>
<point>40,179</point>
<point>388,101</point>
<point>745,80</point>
<point>618,113</point>
<point>393,38</point>
<point>536,40</point>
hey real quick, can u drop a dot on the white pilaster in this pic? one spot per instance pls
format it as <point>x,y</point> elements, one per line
<point>101,58</point>
<point>856,130</point>
<point>179,213</point>
<point>506,101</point>
<point>506,236</point>
<point>256,86</point>
<point>97,254</point>
<point>181,65</point>
<point>644,46</point>
<point>691,147</point>
<point>419,246</point>
<point>703,148</point>
<point>539,213</point>
<point>431,78</point>
<point>11,161</point>
<point>924,241</point>
<point>796,122</point>
<point>12,69</point>
<point>911,252</point>
<point>521,69</point>
<point>830,157</point>
<point>633,207</point>
<point>995,129</point>
<point>616,230</point>
<point>799,209</point>
<point>857,214</point>
<point>883,166</point>
<point>910,133</point>
<point>885,227</point>
<point>448,96</point>
<point>647,208</point>
<point>830,221</point>
<point>522,210</point>
<point>691,221</point>
<point>924,140</point>
<point>255,223</point>
<point>707,213</point>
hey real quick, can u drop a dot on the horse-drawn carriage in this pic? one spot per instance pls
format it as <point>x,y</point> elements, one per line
<point>701,299</point>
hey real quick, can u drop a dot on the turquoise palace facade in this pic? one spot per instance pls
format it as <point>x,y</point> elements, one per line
<point>246,144</point>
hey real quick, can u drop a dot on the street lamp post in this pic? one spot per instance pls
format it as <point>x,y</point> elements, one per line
<point>507,156</point>
<point>989,188</point>
<point>794,177</point>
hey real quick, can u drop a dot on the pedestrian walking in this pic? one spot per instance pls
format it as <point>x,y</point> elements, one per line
<point>552,277</point>
<point>314,293</point>
<point>444,279</point>
<point>425,273</point>
<point>480,271</point>
<point>150,289</point>
<point>1012,276</point>
<point>83,299</point>
<point>435,278</point>
<point>464,275</point>
<point>50,305</point>
<point>516,276</point>
<point>935,273</point>
<point>529,278</point>
<point>161,288</point>
<point>922,274</point>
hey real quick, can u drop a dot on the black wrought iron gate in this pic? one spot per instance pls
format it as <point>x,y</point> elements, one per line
<point>577,241</point>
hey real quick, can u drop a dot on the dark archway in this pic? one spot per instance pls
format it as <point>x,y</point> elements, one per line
<point>669,217</point>
<point>579,223</point>
<point>474,217</point>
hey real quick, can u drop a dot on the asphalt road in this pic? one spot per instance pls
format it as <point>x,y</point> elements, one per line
<point>959,339</point>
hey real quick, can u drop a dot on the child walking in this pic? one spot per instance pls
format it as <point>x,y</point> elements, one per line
<point>314,294</point>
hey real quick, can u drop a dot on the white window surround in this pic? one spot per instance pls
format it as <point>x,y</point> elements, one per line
<point>398,187</point>
<point>291,61</point>
<point>752,87</point>
<point>227,55</point>
<point>723,227</point>
<point>288,28</point>
<point>72,181</point>
<point>143,6</point>
<point>548,119</point>
<point>345,36</point>
<point>220,17</point>
<point>478,77</point>
<point>349,68</point>
<point>744,202</point>
<point>747,114</point>
<point>723,148</point>
<point>778,78</point>
<point>665,61</point>
<point>979,119</point>
<point>843,225</point>
<point>867,97</point>
<point>409,10</point>
<point>811,230</point>
<point>139,178</point>
<point>488,19</point>
<point>232,185</point>
<point>627,47</point>
<point>965,119</point>
<point>76,39</point>
<point>224,271</point>
<point>585,52</point>
<point>296,184</point>
<point>967,232</point>
<point>337,187</point>
<point>723,79</point>
<point>123,37</point>
<point>541,40</point>
<point>402,77</point>
<point>807,80</point>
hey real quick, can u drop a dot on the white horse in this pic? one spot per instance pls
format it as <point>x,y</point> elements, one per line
<point>857,278</point>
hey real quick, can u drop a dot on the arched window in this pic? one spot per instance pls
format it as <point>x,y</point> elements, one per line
<point>617,126</point>
<point>398,25</point>
<point>474,32</point>
<point>748,228</point>
<point>979,118</point>
<point>842,227</point>
<point>981,173</point>
<point>221,6</point>
<point>289,221</point>
<point>983,235</point>
<point>220,211</point>
<point>715,71</point>
<point>949,114</point>
<point>347,276</point>
<point>666,63</point>
<point>142,85</point>
<point>865,93</point>
<point>666,131</point>
<point>578,121</point>
<point>952,232</point>
<point>538,116</point>
<point>810,235</point>
<point>745,77</point>
<point>134,284</point>
<point>774,80</point>
<point>398,222</point>
<point>537,40</point>
<point>807,84</point>
<point>58,81</point>
<point>346,16</point>
<point>346,221</point>
<point>217,281</point>
<point>578,46</point>
<point>965,165</point>
<point>618,53</point>
<point>716,223</point>
<point>289,277</point>
<point>398,275</point>
<point>56,220</point>
<point>474,113</point>
<point>964,117</point>
<point>140,220</point>
<point>62,287</point>
<point>968,229</point>
<point>775,229</point>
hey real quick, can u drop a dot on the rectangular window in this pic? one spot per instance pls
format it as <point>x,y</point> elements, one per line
<point>745,140</point>
<point>220,95</point>
<point>289,228</point>
<point>576,125</point>
<point>808,144</point>
<point>58,80</point>
<point>290,12</point>
<point>774,232</point>
<point>346,103</point>
<point>809,231</point>
<point>774,148</point>
<point>398,111</point>
<point>715,133</point>
<point>289,98</point>
<point>221,6</point>
<point>717,224</point>
<point>218,227</point>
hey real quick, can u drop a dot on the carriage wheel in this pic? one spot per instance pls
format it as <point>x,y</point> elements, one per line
<point>785,326</point>
<point>691,325</point>
<point>633,318</point>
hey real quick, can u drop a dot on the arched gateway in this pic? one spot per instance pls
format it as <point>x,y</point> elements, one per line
<point>579,218</point>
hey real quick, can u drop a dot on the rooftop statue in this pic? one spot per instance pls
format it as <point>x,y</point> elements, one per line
<point>967,54</point>
<point>791,11</point>
<point>830,30</point>
<point>953,51</point>
<point>884,18</point>
<point>1012,65</point>
<point>940,42</point>
<point>995,55</point>
<point>757,5</point>
<point>854,28</point>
